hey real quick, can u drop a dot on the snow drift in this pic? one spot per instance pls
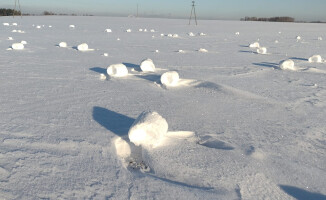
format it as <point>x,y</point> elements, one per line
<point>117,70</point>
<point>148,130</point>
<point>170,79</point>
<point>147,65</point>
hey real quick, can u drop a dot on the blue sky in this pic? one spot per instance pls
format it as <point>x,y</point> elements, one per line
<point>217,9</point>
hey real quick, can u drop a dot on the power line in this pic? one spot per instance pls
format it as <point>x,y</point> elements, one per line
<point>13,14</point>
<point>193,9</point>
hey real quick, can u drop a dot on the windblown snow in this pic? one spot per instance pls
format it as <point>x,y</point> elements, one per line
<point>148,113</point>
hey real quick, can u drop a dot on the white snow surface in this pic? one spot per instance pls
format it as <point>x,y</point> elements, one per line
<point>241,129</point>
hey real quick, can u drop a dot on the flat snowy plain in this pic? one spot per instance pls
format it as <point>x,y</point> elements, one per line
<point>239,126</point>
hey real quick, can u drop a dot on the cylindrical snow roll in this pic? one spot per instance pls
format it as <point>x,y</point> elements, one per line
<point>203,50</point>
<point>254,45</point>
<point>170,78</point>
<point>82,47</point>
<point>287,65</point>
<point>17,46</point>
<point>147,65</point>
<point>262,50</point>
<point>315,58</point>
<point>117,70</point>
<point>63,44</point>
<point>148,130</point>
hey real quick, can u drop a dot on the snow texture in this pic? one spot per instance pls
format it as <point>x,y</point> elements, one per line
<point>239,127</point>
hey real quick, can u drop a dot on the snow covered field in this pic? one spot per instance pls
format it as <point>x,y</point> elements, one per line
<point>229,122</point>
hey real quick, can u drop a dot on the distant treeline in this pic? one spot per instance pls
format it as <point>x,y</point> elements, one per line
<point>9,12</point>
<point>52,13</point>
<point>272,19</point>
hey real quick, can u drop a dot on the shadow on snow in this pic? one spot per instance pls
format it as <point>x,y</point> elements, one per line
<point>301,194</point>
<point>117,123</point>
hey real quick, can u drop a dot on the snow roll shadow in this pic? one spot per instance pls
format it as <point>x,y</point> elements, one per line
<point>296,58</point>
<point>150,77</point>
<point>99,70</point>
<point>267,64</point>
<point>301,194</point>
<point>116,123</point>
<point>133,66</point>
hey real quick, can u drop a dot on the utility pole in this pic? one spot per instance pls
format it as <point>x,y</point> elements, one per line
<point>13,14</point>
<point>137,11</point>
<point>194,10</point>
